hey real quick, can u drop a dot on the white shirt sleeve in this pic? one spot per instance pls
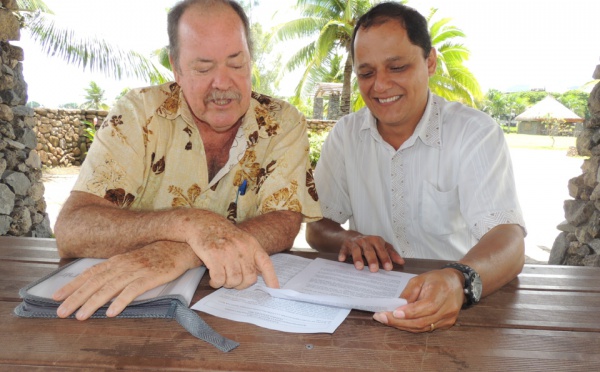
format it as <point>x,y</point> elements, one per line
<point>330,177</point>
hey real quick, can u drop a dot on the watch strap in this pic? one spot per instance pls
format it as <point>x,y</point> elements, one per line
<point>469,275</point>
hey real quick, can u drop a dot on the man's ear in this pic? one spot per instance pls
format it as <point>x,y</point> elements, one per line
<point>432,61</point>
<point>174,68</point>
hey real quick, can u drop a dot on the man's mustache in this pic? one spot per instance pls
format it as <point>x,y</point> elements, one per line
<point>217,95</point>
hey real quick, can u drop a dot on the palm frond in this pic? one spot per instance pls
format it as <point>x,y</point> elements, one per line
<point>33,6</point>
<point>92,52</point>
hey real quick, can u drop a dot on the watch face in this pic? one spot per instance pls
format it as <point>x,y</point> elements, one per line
<point>476,287</point>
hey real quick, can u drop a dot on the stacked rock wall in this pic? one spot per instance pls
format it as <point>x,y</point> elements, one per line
<point>61,141</point>
<point>319,126</point>
<point>60,135</point>
<point>22,204</point>
<point>579,241</point>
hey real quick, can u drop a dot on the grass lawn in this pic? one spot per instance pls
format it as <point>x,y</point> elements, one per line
<point>529,141</point>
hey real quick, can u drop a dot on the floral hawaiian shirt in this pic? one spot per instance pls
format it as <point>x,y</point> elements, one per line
<point>148,155</point>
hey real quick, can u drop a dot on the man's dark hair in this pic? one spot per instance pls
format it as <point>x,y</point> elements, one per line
<point>414,23</point>
<point>177,11</point>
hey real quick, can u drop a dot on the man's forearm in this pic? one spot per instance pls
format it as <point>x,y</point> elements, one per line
<point>275,231</point>
<point>326,235</point>
<point>498,257</point>
<point>89,226</point>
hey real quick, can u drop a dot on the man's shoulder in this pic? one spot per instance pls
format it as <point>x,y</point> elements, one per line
<point>354,122</point>
<point>452,111</point>
<point>160,91</point>
<point>275,106</point>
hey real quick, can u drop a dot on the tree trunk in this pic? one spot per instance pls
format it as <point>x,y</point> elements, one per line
<point>346,88</point>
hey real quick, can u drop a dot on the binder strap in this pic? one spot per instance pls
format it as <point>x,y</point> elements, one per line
<point>198,328</point>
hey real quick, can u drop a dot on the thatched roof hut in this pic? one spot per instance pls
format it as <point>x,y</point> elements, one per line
<point>532,120</point>
<point>549,107</point>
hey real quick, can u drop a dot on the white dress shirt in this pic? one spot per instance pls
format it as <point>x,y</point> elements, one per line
<point>436,196</point>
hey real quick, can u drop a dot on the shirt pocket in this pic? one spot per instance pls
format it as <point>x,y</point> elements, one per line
<point>440,210</point>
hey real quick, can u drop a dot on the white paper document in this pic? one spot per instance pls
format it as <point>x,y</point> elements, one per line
<point>322,292</point>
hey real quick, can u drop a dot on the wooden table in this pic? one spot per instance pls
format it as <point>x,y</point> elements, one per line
<point>548,319</point>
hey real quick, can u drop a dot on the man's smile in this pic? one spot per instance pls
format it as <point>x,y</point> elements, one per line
<point>389,99</point>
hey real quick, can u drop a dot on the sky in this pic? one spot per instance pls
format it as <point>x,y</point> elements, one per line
<point>515,44</point>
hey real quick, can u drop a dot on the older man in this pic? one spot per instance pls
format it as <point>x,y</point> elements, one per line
<point>198,171</point>
<point>418,177</point>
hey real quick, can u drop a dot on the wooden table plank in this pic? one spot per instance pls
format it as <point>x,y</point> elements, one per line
<point>566,311</point>
<point>356,345</point>
<point>559,278</point>
<point>16,275</point>
<point>545,320</point>
<point>28,249</point>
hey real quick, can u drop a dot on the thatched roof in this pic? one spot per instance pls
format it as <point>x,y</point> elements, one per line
<point>549,107</point>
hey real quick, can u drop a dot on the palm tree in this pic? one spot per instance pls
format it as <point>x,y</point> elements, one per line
<point>93,53</point>
<point>452,79</point>
<point>94,97</point>
<point>494,104</point>
<point>330,24</point>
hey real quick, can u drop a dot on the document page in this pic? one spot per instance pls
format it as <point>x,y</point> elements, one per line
<point>316,296</point>
<point>185,285</point>
<point>254,306</point>
<point>340,284</point>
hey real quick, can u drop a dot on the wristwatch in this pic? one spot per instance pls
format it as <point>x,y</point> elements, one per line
<point>472,287</point>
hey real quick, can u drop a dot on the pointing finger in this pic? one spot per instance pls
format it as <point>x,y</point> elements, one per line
<point>266,269</point>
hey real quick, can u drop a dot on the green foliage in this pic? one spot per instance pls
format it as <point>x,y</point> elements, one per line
<point>315,141</point>
<point>328,26</point>
<point>531,97</point>
<point>503,107</point>
<point>69,105</point>
<point>576,101</point>
<point>123,92</point>
<point>452,79</point>
<point>304,105</point>
<point>33,104</point>
<point>506,106</point>
<point>265,66</point>
<point>90,130</point>
<point>557,127</point>
<point>94,98</point>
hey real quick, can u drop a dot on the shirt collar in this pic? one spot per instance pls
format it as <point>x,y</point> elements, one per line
<point>428,129</point>
<point>175,105</point>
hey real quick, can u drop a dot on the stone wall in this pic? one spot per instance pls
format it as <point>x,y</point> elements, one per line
<point>319,126</point>
<point>579,241</point>
<point>61,141</point>
<point>22,204</point>
<point>60,135</point>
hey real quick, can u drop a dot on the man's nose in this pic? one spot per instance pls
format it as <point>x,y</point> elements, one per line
<point>222,79</point>
<point>382,81</point>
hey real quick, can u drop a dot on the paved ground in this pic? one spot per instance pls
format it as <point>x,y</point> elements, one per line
<point>541,175</point>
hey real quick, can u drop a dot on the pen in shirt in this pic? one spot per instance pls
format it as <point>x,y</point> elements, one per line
<point>241,191</point>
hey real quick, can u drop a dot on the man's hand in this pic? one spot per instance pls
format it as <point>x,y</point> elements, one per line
<point>233,256</point>
<point>373,248</point>
<point>434,297</point>
<point>124,277</point>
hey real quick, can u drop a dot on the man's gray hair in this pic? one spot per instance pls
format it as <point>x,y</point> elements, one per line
<point>177,11</point>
